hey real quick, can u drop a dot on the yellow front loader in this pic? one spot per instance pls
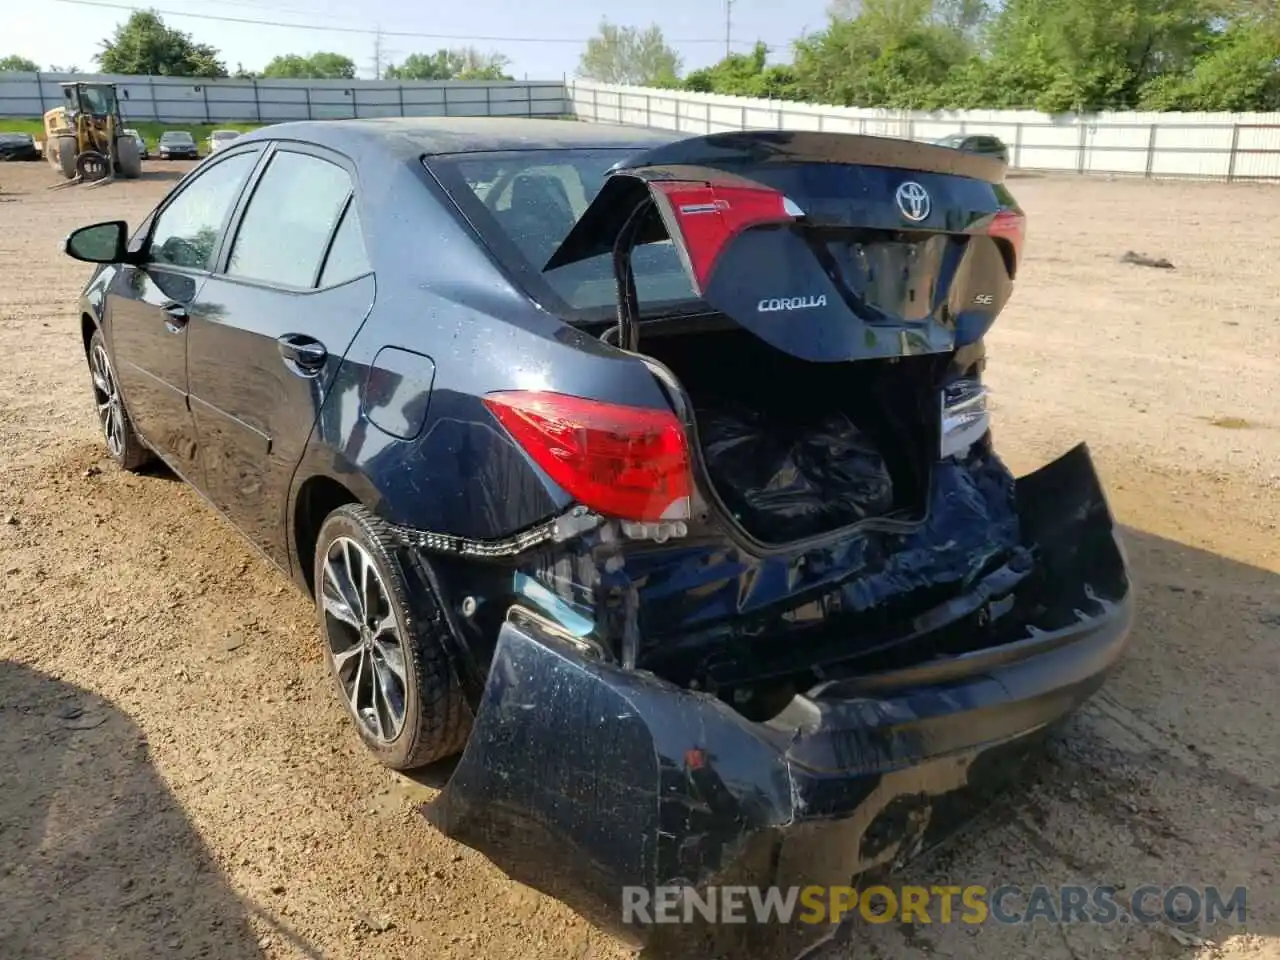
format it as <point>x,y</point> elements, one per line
<point>84,139</point>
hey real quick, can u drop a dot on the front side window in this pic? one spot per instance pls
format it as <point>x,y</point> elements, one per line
<point>186,232</point>
<point>290,217</point>
<point>530,200</point>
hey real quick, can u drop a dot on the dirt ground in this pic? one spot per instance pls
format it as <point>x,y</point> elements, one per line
<point>178,780</point>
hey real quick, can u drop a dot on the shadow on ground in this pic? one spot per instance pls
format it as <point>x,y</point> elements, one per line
<point>162,175</point>
<point>99,859</point>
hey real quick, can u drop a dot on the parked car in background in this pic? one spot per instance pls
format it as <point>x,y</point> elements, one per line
<point>982,143</point>
<point>178,145</point>
<point>18,146</point>
<point>221,138</point>
<point>141,141</point>
<point>652,475</point>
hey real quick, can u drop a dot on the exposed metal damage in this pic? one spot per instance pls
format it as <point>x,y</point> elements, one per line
<point>584,774</point>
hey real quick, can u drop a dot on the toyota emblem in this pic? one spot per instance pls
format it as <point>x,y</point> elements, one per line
<point>913,201</point>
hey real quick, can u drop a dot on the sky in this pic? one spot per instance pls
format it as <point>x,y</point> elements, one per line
<point>543,38</point>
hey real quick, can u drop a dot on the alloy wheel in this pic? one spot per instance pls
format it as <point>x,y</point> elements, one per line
<point>365,644</point>
<point>107,396</point>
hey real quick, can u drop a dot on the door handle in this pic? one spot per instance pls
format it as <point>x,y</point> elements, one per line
<point>176,317</point>
<point>303,355</point>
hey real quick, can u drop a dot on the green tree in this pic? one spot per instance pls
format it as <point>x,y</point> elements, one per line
<point>317,66</point>
<point>1085,55</point>
<point>895,53</point>
<point>629,55</point>
<point>460,63</point>
<point>18,65</point>
<point>143,44</point>
<point>746,75</point>
<point>1241,72</point>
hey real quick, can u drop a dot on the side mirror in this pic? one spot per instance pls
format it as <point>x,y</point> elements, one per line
<point>98,243</point>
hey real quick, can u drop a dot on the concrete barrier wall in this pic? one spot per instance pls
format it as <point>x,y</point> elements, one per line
<point>192,100</point>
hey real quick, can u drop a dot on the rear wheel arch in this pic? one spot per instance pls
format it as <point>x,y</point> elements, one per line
<point>317,497</point>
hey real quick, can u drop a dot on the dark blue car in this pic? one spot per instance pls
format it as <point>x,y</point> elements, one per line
<point>650,475</point>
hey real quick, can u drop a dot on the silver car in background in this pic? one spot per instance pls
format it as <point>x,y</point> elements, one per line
<point>221,138</point>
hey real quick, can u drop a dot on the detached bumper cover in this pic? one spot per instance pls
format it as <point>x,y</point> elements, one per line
<point>581,778</point>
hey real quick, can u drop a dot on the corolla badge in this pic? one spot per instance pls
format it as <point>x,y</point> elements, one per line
<point>774,304</point>
<point>913,201</point>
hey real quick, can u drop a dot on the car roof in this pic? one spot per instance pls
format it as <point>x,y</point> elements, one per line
<point>434,136</point>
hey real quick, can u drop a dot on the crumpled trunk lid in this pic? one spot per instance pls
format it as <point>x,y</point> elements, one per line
<point>829,247</point>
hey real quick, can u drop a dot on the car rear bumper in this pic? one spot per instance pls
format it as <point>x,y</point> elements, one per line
<point>581,778</point>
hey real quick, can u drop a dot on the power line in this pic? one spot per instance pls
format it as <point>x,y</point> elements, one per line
<point>272,8</point>
<point>362,31</point>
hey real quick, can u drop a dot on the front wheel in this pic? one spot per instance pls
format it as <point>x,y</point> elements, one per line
<point>128,159</point>
<point>62,155</point>
<point>123,443</point>
<point>386,643</point>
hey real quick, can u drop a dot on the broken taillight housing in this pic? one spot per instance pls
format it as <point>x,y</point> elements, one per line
<point>632,463</point>
<point>964,416</point>
<point>709,215</point>
<point>1009,225</point>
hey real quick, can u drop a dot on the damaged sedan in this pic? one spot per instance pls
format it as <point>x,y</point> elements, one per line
<point>648,478</point>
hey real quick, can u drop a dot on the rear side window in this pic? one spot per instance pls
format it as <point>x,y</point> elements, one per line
<point>286,227</point>
<point>347,258</point>
<point>187,230</point>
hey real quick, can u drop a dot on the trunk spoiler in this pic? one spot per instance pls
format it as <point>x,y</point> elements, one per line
<point>828,246</point>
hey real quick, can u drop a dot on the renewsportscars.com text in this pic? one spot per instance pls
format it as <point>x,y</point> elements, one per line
<point>973,904</point>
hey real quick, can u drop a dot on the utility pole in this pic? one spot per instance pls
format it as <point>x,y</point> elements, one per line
<point>728,25</point>
<point>377,53</point>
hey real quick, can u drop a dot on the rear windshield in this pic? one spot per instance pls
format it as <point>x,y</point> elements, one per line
<point>523,205</point>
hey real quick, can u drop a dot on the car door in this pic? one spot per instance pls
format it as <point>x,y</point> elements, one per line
<point>148,306</point>
<point>269,331</point>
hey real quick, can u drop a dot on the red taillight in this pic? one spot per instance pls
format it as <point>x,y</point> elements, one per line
<point>626,462</point>
<point>1009,225</point>
<point>710,215</point>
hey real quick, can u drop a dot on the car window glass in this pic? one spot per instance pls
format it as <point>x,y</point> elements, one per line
<point>347,258</point>
<point>533,200</point>
<point>186,231</point>
<point>289,220</point>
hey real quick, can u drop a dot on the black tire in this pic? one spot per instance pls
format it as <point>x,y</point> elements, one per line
<point>436,717</point>
<point>128,160</point>
<point>124,445</point>
<point>62,154</point>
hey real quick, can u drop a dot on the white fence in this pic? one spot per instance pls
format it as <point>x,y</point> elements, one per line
<point>1217,145</point>
<point>193,100</point>
<point>1222,145</point>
